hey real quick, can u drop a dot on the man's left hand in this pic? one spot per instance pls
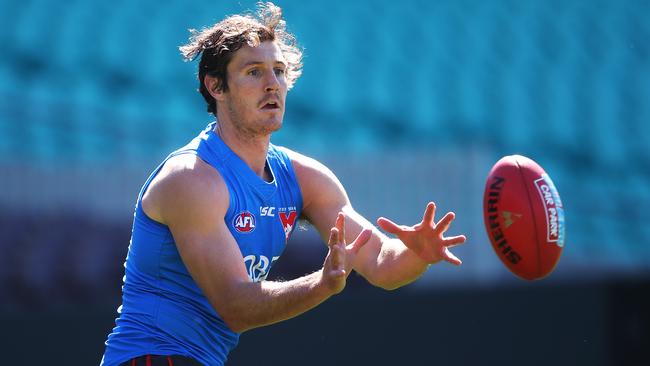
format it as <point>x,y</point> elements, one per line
<point>427,238</point>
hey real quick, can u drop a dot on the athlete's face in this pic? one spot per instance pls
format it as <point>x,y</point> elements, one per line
<point>257,89</point>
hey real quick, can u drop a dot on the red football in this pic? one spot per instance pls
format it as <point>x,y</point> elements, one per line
<point>524,217</point>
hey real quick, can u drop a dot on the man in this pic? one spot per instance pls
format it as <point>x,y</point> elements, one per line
<point>216,214</point>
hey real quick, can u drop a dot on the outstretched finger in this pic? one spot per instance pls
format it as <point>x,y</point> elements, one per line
<point>334,237</point>
<point>340,225</point>
<point>429,214</point>
<point>390,226</point>
<point>444,223</point>
<point>454,240</point>
<point>450,257</point>
<point>360,241</point>
<point>335,250</point>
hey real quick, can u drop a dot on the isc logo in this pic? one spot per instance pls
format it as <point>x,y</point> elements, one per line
<point>267,211</point>
<point>244,222</point>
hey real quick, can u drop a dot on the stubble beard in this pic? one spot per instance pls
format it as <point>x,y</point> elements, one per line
<point>247,126</point>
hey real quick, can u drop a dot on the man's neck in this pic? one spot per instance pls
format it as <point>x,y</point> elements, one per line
<point>250,148</point>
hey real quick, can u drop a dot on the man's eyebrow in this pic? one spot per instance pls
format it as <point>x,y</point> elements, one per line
<point>255,63</point>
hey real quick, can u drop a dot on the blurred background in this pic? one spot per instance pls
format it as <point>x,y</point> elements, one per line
<point>407,102</point>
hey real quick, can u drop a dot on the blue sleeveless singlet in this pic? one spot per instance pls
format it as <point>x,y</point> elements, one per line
<point>163,310</point>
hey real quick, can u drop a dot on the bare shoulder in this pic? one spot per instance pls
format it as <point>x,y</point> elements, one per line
<point>308,168</point>
<point>185,182</point>
<point>319,185</point>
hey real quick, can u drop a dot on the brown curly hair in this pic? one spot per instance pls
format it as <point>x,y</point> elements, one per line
<point>217,44</point>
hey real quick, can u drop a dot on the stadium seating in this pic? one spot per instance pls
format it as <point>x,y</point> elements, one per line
<point>88,83</point>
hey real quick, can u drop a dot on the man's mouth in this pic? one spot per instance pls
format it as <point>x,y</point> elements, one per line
<point>270,105</point>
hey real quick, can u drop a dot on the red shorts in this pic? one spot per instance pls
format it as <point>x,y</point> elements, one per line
<point>157,360</point>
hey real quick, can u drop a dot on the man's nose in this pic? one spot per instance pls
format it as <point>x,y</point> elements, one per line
<point>272,83</point>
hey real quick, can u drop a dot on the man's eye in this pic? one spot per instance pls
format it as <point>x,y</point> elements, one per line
<point>280,71</point>
<point>254,72</point>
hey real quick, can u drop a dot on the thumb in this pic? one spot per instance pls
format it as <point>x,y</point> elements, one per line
<point>389,226</point>
<point>450,257</point>
<point>360,241</point>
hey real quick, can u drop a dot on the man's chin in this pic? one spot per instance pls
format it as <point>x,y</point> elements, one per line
<point>276,126</point>
<point>272,124</point>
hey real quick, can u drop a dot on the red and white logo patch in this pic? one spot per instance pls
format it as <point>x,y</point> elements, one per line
<point>554,209</point>
<point>288,220</point>
<point>244,222</point>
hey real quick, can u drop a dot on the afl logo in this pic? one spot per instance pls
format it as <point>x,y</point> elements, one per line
<point>244,222</point>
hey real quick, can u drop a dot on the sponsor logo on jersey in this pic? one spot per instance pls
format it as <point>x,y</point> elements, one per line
<point>244,222</point>
<point>553,208</point>
<point>267,211</point>
<point>258,266</point>
<point>288,219</point>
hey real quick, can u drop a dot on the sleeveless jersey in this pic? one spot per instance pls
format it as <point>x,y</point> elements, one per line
<point>163,310</point>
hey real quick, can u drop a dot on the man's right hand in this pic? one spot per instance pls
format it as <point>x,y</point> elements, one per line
<point>339,259</point>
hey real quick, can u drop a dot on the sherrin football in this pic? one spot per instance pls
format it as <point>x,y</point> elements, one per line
<point>524,217</point>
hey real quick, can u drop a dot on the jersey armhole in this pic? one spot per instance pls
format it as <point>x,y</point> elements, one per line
<point>288,162</point>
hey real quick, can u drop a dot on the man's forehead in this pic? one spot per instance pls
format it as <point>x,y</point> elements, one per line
<point>265,52</point>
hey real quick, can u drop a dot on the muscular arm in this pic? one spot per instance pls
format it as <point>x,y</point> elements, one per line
<point>384,262</point>
<point>191,198</point>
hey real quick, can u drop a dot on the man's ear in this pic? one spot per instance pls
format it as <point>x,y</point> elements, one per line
<point>214,87</point>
